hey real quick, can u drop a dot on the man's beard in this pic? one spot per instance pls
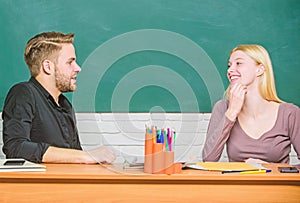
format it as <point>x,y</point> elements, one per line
<point>63,83</point>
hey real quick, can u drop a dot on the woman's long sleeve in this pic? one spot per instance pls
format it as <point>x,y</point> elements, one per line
<point>294,127</point>
<point>218,132</point>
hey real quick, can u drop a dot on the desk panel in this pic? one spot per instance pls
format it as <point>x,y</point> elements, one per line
<point>96,183</point>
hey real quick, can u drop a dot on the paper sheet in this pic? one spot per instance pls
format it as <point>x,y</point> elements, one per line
<point>225,166</point>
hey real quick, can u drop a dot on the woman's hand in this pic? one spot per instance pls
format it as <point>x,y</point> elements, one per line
<point>236,99</point>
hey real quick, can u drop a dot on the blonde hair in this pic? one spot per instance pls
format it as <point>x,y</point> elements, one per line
<point>267,83</point>
<point>44,46</point>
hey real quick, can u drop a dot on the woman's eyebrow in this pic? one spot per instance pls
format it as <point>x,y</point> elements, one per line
<point>239,59</point>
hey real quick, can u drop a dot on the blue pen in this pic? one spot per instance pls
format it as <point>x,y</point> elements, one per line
<point>158,136</point>
<point>162,136</point>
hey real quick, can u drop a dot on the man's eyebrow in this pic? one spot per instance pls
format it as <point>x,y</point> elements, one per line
<point>71,59</point>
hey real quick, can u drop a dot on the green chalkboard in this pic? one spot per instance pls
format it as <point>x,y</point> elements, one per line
<point>154,56</point>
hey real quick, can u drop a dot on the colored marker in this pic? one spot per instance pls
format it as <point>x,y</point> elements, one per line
<point>256,172</point>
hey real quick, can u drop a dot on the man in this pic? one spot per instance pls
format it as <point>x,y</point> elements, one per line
<point>39,122</point>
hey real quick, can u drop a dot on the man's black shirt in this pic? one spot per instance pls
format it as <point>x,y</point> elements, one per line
<point>32,122</point>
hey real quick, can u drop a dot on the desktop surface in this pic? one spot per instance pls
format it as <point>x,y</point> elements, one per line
<point>113,183</point>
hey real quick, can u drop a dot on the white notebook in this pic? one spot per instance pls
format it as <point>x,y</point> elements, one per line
<point>14,165</point>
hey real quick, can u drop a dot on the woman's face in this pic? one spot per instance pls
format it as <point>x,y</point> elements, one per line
<point>242,69</point>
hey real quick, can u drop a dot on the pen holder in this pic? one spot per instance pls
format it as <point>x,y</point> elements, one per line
<point>148,153</point>
<point>169,162</point>
<point>157,161</point>
<point>177,168</point>
<point>157,158</point>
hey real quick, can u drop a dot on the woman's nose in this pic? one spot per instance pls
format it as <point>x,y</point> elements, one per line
<point>231,69</point>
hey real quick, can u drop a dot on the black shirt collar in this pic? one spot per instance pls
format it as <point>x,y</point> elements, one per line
<point>61,100</point>
<point>40,87</point>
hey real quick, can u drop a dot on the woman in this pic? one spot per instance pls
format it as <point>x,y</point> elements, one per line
<point>252,122</point>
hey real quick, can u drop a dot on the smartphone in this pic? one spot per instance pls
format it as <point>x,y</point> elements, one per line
<point>289,169</point>
<point>14,162</point>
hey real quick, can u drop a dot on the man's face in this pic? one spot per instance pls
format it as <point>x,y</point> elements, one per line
<point>66,69</point>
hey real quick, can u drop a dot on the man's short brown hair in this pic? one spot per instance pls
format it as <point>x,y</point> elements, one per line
<point>44,46</point>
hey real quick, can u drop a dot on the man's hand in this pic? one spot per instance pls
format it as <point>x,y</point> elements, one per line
<point>102,155</point>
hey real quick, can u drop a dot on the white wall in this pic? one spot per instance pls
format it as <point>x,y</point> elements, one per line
<point>124,133</point>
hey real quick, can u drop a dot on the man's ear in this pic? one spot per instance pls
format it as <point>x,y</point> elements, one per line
<point>260,70</point>
<point>47,66</point>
